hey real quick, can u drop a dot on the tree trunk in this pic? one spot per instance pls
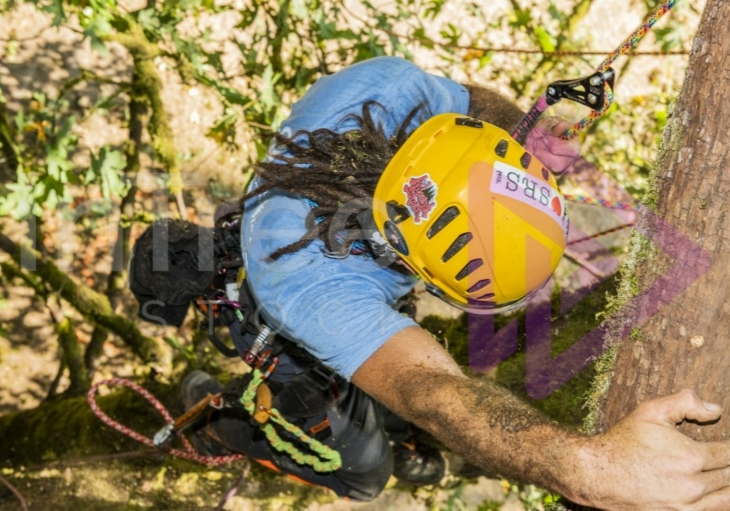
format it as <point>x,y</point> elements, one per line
<point>677,315</point>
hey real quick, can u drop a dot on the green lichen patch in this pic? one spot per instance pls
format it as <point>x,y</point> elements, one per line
<point>68,429</point>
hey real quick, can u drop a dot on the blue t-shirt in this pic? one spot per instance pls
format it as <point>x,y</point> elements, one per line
<point>338,309</point>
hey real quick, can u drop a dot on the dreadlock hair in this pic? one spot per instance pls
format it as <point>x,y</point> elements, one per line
<point>337,171</point>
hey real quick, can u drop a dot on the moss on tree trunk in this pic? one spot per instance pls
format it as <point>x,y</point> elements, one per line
<point>66,428</point>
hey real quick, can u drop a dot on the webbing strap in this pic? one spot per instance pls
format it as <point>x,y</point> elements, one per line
<point>325,458</point>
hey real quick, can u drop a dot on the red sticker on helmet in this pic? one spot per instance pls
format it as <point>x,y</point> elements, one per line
<point>420,194</point>
<point>557,206</point>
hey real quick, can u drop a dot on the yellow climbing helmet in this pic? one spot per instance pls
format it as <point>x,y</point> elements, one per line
<point>480,219</point>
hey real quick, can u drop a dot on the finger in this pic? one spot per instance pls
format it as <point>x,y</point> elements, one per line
<point>548,122</point>
<point>715,480</point>
<point>573,144</point>
<point>560,127</point>
<point>715,501</point>
<point>542,143</point>
<point>675,408</point>
<point>716,455</point>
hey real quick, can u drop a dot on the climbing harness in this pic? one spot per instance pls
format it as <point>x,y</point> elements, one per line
<point>228,303</point>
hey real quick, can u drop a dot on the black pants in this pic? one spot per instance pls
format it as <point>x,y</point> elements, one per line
<point>353,426</point>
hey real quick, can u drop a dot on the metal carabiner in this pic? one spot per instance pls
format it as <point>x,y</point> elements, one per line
<point>589,91</point>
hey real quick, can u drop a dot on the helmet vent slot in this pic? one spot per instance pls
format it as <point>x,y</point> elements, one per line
<point>501,149</point>
<point>459,243</point>
<point>470,267</point>
<point>397,212</point>
<point>442,221</point>
<point>467,121</point>
<point>525,160</point>
<point>479,285</point>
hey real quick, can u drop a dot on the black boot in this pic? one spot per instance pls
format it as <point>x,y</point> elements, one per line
<point>417,463</point>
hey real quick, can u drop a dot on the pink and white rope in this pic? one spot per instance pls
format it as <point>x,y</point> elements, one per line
<point>188,453</point>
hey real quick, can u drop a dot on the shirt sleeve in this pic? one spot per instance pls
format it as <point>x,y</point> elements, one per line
<point>338,309</point>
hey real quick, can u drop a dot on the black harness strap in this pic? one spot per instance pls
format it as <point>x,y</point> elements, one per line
<point>303,386</point>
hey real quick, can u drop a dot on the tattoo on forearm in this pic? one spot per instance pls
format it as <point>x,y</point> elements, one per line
<point>501,409</point>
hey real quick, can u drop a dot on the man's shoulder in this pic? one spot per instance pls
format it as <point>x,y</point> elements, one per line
<point>396,84</point>
<point>384,63</point>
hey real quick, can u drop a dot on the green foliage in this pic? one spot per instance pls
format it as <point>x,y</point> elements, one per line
<point>182,352</point>
<point>42,148</point>
<point>627,140</point>
<point>283,46</point>
<point>278,49</point>
<point>452,333</point>
<point>565,405</point>
<point>6,5</point>
<point>106,169</point>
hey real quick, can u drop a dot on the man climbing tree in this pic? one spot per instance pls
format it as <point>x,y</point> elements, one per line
<point>392,359</point>
<point>365,187</point>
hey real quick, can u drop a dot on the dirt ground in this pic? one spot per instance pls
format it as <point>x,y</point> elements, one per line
<point>35,57</point>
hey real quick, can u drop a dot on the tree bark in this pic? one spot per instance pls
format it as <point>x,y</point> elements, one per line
<point>677,311</point>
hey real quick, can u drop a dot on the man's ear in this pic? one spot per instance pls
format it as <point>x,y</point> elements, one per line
<point>493,107</point>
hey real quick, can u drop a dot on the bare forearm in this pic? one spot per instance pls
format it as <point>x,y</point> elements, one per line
<point>491,428</point>
<point>641,463</point>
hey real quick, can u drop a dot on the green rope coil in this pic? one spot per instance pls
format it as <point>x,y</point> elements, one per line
<point>325,458</point>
